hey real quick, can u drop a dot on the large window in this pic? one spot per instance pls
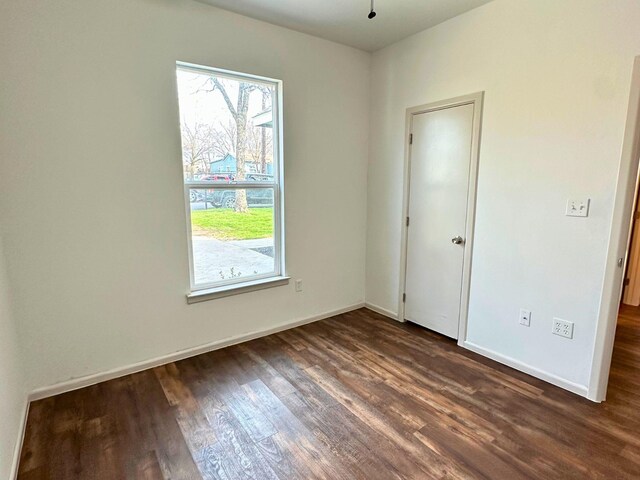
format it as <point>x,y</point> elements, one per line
<point>232,169</point>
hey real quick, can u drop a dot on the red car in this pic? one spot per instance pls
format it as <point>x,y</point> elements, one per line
<point>217,177</point>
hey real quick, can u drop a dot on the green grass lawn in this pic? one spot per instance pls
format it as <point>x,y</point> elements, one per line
<point>225,224</point>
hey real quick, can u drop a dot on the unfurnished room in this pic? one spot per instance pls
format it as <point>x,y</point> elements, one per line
<point>304,239</point>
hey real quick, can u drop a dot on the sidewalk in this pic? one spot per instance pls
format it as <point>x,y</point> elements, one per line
<point>214,259</point>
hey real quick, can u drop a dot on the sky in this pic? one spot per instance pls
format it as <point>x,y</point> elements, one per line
<point>198,106</point>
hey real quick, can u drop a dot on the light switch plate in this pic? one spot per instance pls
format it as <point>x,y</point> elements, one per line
<point>578,207</point>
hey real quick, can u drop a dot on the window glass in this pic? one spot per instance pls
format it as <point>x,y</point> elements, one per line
<point>229,129</point>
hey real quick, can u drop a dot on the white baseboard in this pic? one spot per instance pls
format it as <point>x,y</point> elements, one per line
<point>19,441</point>
<point>381,311</point>
<point>576,388</point>
<point>81,382</point>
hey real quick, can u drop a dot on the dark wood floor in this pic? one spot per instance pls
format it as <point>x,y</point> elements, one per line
<point>353,397</point>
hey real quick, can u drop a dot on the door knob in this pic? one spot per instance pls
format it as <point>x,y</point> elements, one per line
<point>457,240</point>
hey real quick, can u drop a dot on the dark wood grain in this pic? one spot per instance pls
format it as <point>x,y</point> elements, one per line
<point>356,396</point>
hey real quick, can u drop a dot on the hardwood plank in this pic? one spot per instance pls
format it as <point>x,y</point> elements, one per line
<point>158,423</point>
<point>321,414</point>
<point>35,451</point>
<point>148,468</point>
<point>196,430</point>
<point>309,458</point>
<point>356,396</point>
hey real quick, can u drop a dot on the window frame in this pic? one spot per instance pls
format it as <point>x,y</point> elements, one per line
<point>206,291</point>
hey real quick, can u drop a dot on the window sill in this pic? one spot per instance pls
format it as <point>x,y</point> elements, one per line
<point>228,290</point>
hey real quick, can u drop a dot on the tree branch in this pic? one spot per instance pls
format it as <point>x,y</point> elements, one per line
<point>220,87</point>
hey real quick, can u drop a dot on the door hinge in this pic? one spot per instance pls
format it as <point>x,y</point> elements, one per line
<point>407,221</point>
<point>411,139</point>
<point>626,282</point>
<point>404,297</point>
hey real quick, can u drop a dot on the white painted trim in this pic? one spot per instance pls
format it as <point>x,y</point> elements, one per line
<point>81,382</point>
<point>477,100</point>
<point>236,289</point>
<point>528,369</point>
<point>17,451</point>
<point>618,245</point>
<point>277,185</point>
<point>381,310</point>
<point>230,74</point>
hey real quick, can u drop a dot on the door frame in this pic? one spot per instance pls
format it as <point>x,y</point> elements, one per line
<point>619,242</point>
<point>477,100</point>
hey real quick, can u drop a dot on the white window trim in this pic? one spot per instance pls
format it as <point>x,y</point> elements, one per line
<point>210,291</point>
<point>235,289</point>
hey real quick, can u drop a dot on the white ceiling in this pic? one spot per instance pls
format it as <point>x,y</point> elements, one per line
<point>346,21</point>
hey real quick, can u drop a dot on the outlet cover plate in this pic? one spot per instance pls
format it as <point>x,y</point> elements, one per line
<point>525,317</point>
<point>562,328</point>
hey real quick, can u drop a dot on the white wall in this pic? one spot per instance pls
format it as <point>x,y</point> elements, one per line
<point>91,185</point>
<point>556,76</point>
<point>13,397</point>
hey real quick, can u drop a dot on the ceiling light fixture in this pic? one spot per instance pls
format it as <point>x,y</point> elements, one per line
<point>372,13</point>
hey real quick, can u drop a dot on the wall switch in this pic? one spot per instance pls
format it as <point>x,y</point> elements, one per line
<point>298,285</point>
<point>562,328</point>
<point>578,207</point>
<point>525,317</point>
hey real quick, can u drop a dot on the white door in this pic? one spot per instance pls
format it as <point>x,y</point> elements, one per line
<point>438,194</point>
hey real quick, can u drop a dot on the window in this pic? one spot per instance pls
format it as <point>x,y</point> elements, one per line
<point>232,168</point>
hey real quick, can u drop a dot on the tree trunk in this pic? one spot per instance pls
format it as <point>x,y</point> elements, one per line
<point>239,113</point>
<point>241,151</point>
<point>244,90</point>
<point>263,138</point>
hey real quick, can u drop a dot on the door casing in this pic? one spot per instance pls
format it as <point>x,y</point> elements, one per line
<point>475,99</point>
<point>619,242</point>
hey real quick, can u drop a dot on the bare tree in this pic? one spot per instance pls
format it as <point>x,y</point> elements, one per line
<point>239,111</point>
<point>266,94</point>
<point>197,145</point>
<point>224,139</point>
<point>260,146</point>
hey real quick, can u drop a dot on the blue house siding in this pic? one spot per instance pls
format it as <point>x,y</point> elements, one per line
<point>228,164</point>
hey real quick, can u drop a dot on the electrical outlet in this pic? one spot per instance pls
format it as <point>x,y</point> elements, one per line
<point>525,317</point>
<point>578,207</point>
<point>562,328</point>
<point>298,285</point>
